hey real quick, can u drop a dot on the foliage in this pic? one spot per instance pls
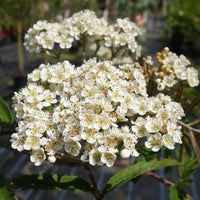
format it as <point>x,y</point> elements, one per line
<point>137,126</point>
<point>188,167</point>
<point>5,191</point>
<point>5,112</point>
<point>51,182</point>
<point>184,22</point>
<point>135,170</point>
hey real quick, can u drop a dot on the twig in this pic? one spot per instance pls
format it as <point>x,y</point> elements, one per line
<point>189,127</point>
<point>116,52</point>
<point>180,92</point>
<point>195,145</point>
<point>194,122</point>
<point>181,151</point>
<point>92,179</point>
<point>97,48</point>
<point>193,104</point>
<point>154,176</point>
<point>83,45</point>
<point>69,160</point>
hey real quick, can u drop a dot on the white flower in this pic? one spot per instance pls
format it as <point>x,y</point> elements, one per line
<point>154,104</point>
<point>95,157</point>
<point>108,158</point>
<point>52,159</point>
<point>139,127</point>
<point>154,142</point>
<point>32,142</point>
<point>153,124</point>
<point>125,153</point>
<point>38,156</point>
<point>72,146</point>
<point>168,141</point>
<point>18,140</point>
<point>141,106</point>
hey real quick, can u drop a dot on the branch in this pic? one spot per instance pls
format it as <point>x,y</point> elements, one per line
<point>197,121</point>
<point>195,145</point>
<point>92,179</point>
<point>154,176</point>
<point>69,161</point>
<point>180,92</point>
<point>189,127</point>
<point>193,104</point>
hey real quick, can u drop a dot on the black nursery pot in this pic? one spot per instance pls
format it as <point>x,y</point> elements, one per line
<point>19,81</point>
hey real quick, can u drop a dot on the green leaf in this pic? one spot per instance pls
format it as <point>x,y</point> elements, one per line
<point>5,112</point>
<point>184,182</point>
<point>135,170</point>
<point>52,182</point>
<point>149,155</point>
<point>5,192</point>
<point>173,193</point>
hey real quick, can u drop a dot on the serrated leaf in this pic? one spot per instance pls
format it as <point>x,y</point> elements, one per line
<point>135,170</point>
<point>52,182</point>
<point>5,192</point>
<point>5,112</point>
<point>173,193</point>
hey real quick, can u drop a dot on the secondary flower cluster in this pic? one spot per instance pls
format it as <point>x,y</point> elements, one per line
<point>44,35</point>
<point>173,68</point>
<point>90,111</point>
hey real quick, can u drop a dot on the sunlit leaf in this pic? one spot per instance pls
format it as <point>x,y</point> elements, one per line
<point>5,112</point>
<point>135,170</point>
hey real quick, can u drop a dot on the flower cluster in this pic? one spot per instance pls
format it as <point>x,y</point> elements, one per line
<point>173,68</point>
<point>44,35</point>
<point>90,111</point>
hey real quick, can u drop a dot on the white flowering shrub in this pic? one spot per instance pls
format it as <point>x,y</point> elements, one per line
<point>99,112</point>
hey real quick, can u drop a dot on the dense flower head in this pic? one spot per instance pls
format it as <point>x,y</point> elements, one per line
<point>44,35</point>
<point>91,110</point>
<point>174,68</point>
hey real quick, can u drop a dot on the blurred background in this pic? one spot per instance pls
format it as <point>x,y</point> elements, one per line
<point>172,23</point>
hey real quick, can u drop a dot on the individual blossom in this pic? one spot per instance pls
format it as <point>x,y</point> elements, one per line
<point>38,157</point>
<point>154,142</point>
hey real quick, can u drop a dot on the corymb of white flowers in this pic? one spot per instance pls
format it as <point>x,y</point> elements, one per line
<point>120,36</point>
<point>90,111</point>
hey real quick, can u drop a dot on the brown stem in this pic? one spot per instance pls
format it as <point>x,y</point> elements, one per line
<point>83,45</point>
<point>128,8</point>
<point>195,145</point>
<point>197,121</point>
<point>180,92</point>
<point>69,160</point>
<point>97,48</point>
<point>19,48</point>
<point>45,56</point>
<point>154,176</point>
<point>181,152</point>
<point>189,127</point>
<point>193,104</point>
<point>116,52</point>
<point>92,179</point>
